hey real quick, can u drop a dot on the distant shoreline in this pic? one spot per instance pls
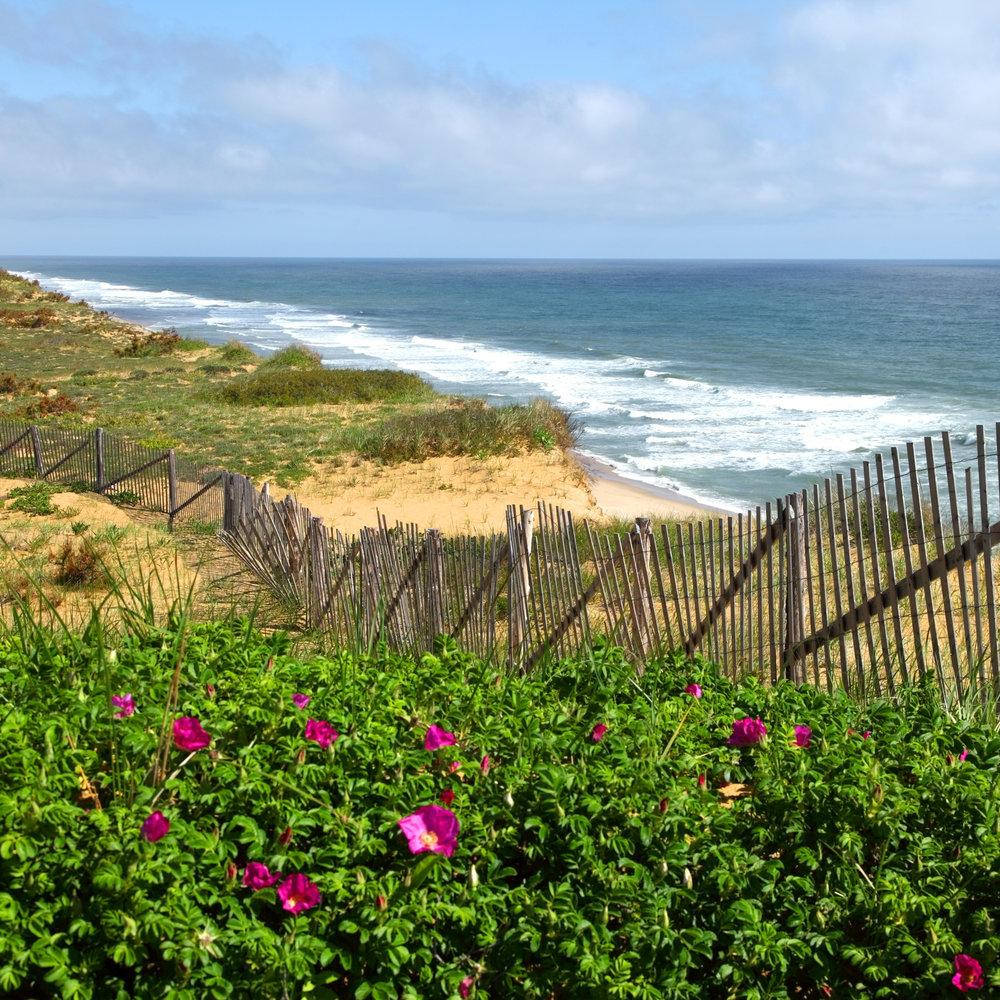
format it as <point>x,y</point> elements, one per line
<point>620,496</point>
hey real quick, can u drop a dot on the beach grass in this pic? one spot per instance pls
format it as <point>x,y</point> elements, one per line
<point>226,406</point>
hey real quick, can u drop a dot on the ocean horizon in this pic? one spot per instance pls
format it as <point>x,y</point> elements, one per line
<point>728,381</point>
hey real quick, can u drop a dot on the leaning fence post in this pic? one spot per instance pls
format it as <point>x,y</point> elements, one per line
<point>521,536</point>
<point>99,457</point>
<point>36,447</point>
<point>435,582</point>
<point>794,605</point>
<point>171,487</point>
<point>641,597</point>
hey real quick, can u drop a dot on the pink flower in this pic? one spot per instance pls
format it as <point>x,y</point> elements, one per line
<point>964,754</point>
<point>301,700</point>
<point>866,734</point>
<point>447,796</point>
<point>465,987</point>
<point>257,876</point>
<point>694,690</point>
<point>381,902</point>
<point>431,828</point>
<point>454,766</point>
<point>437,737</point>
<point>803,737</point>
<point>188,734</point>
<point>968,974</point>
<point>702,781</point>
<point>484,765</point>
<point>747,732</point>
<point>155,827</point>
<point>298,893</point>
<point>321,732</point>
<point>125,704</point>
<point>597,733</point>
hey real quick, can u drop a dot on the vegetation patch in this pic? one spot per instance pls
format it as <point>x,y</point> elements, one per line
<point>375,827</point>
<point>465,427</point>
<point>156,343</point>
<point>35,498</point>
<point>27,319</point>
<point>78,564</point>
<point>300,385</point>
<point>56,405</point>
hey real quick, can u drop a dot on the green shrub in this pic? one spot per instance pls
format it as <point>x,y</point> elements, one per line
<point>35,498</point>
<point>854,868</point>
<point>235,353</point>
<point>294,356</point>
<point>464,427</point>
<point>300,386</point>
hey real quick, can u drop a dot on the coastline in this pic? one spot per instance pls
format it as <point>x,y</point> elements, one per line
<point>618,496</point>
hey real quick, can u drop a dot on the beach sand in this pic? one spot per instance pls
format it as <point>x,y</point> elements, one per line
<point>470,495</point>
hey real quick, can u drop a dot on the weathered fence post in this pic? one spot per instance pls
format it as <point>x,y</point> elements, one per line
<point>794,605</point>
<point>36,447</point>
<point>99,458</point>
<point>171,488</point>
<point>435,582</point>
<point>520,540</point>
<point>640,538</point>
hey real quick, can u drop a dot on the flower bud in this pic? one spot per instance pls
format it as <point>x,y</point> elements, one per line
<point>509,799</point>
<point>381,903</point>
<point>209,690</point>
<point>300,757</point>
<point>473,877</point>
<point>688,879</point>
<point>231,871</point>
<point>286,837</point>
<point>665,919</point>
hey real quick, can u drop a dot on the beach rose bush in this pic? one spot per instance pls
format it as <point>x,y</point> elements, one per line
<point>656,860</point>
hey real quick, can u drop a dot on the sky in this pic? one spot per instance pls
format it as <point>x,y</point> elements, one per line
<point>733,128</point>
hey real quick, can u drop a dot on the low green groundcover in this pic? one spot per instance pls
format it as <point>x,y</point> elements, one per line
<point>593,833</point>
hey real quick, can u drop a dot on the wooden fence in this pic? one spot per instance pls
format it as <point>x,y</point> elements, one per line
<point>126,472</point>
<point>868,581</point>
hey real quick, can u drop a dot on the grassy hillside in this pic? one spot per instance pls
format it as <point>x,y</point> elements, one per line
<point>227,406</point>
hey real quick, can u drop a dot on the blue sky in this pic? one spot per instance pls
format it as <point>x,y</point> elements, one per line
<point>820,128</point>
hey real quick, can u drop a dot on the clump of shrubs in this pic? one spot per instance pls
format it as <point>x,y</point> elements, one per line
<point>56,405</point>
<point>27,319</point>
<point>78,564</point>
<point>465,427</point>
<point>296,377</point>
<point>156,343</point>
<point>35,498</point>
<point>12,385</point>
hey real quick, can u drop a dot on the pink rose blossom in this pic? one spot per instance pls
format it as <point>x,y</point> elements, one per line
<point>321,732</point>
<point>437,737</point>
<point>431,828</point>
<point>258,876</point>
<point>189,735</point>
<point>747,732</point>
<point>866,734</point>
<point>125,704</point>
<point>298,893</point>
<point>484,765</point>
<point>597,733</point>
<point>803,737</point>
<point>964,754</point>
<point>454,766</point>
<point>465,987</point>
<point>301,700</point>
<point>968,974</point>
<point>694,690</point>
<point>155,827</point>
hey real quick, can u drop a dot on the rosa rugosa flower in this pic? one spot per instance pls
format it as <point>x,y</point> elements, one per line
<point>694,690</point>
<point>968,974</point>
<point>189,735</point>
<point>803,737</point>
<point>321,732</point>
<point>597,733</point>
<point>125,703</point>
<point>298,893</point>
<point>258,876</point>
<point>484,765</point>
<point>437,737</point>
<point>702,780</point>
<point>747,732</point>
<point>431,828</point>
<point>301,700</point>
<point>964,754</point>
<point>465,987</point>
<point>447,796</point>
<point>155,827</point>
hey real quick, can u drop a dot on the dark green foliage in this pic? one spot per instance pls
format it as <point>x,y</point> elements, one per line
<point>35,498</point>
<point>293,385</point>
<point>466,427</point>
<point>294,356</point>
<point>582,869</point>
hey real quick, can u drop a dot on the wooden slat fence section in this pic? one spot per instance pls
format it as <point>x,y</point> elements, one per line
<point>869,580</point>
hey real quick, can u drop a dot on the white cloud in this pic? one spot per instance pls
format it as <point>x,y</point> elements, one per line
<point>856,106</point>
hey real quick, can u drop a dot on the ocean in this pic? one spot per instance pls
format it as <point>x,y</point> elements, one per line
<point>729,381</point>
